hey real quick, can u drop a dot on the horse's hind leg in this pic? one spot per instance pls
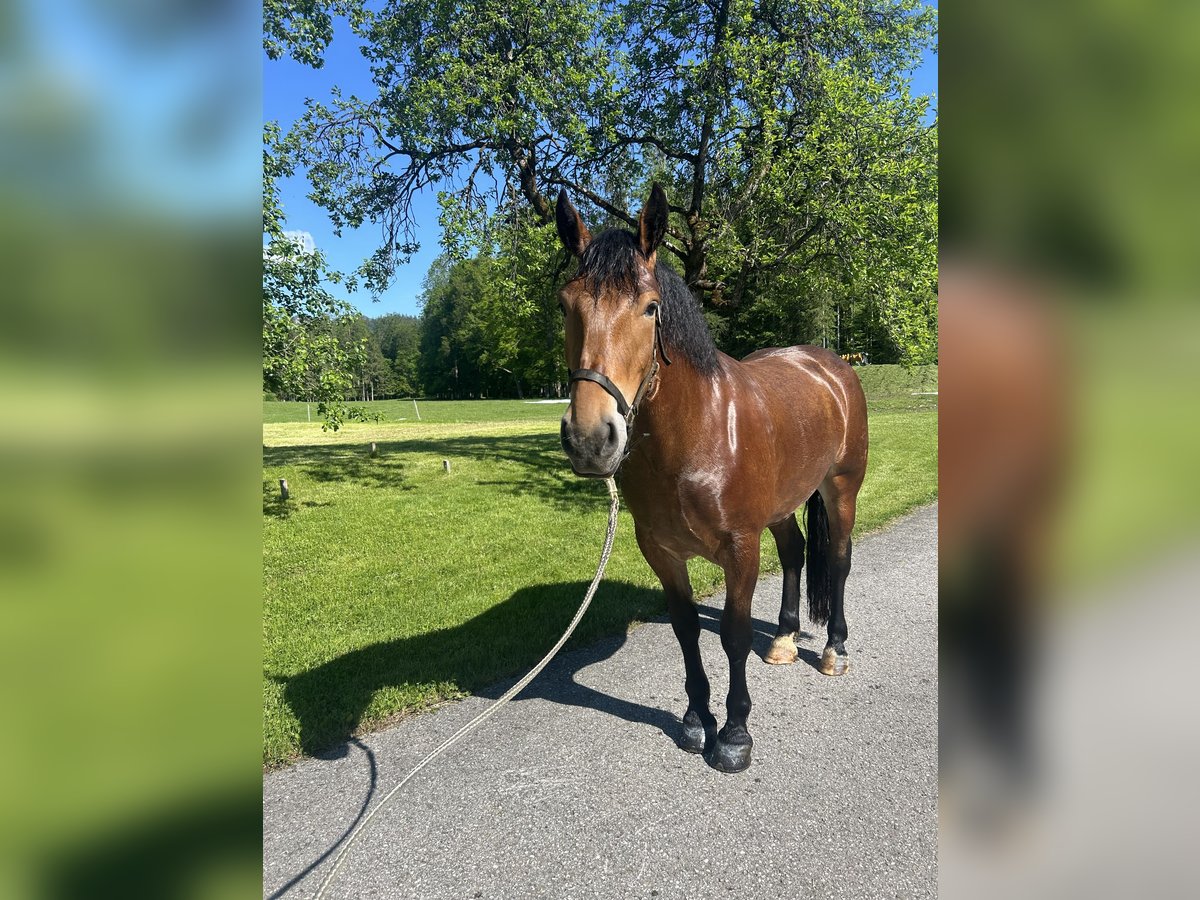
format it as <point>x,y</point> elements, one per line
<point>698,722</point>
<point>840,495</point>
<point>789,541</point>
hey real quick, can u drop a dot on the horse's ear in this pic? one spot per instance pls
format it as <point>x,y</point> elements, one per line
<point>571,230</point>
<point>652,223</point>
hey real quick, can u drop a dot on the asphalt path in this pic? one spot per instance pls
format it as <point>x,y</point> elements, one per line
<point>578,790</point>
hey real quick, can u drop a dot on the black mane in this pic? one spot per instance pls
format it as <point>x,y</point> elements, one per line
<point>613,256</point>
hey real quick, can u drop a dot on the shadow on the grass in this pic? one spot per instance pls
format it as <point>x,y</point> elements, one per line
<point>164,849</point>
<point>276,507</point>
<point>543,471</point>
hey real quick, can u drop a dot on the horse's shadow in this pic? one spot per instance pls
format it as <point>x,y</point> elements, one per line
<point>764,633</point>
<point>482,655</point>
<point>485,654</point>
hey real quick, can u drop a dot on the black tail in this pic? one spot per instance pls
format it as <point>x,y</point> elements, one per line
<point>820,570</point>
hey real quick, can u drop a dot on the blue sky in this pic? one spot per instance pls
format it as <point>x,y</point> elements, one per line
<point>116,107</point>
<point>286,84</point>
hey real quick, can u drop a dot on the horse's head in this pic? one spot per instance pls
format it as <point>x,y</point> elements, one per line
<point>611,310</point>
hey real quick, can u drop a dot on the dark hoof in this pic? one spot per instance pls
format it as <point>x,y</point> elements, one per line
<point>694,736</point>
<point>834,663</point>
<point>730,758</point>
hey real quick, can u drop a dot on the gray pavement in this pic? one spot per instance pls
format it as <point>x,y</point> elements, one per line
<point>577,789</point>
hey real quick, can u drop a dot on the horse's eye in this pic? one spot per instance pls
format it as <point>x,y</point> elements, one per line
<point>651,309</point>
<point>562,309</point>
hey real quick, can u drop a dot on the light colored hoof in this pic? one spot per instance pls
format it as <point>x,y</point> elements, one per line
<point>783,651</point>
<point>833,664</point>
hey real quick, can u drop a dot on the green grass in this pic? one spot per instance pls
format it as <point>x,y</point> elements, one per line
<point>431,411</point>
<point>391,586</point>
<point>893,388</point>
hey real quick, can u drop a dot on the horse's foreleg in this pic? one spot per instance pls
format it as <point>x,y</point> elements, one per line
<point>732,750</point>
<point>698,722</point>
<point>789,541</point>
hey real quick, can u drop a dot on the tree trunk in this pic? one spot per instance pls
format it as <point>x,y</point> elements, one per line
<point>695,267</point>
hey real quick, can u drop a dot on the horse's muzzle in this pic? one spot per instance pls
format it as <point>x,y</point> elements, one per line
<point>596,451</point>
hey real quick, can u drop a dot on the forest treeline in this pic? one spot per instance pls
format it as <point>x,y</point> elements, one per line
<point>476,339</point>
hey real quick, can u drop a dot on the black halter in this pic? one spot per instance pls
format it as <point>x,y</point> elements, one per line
<point>627,410</point>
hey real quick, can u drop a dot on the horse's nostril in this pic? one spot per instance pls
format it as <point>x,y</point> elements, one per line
<point>613,437</point>
<point>565,436</point>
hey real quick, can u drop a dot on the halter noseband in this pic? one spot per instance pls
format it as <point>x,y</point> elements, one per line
<point>627,410</point>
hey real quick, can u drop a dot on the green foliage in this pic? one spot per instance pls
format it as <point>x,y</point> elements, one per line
<point>480,87</point>
<point>304,28</point>
<point>309,351</point>
<point>801,168</point>
<point>399,339</point>
<point>837,234</point>
<point>490,324</point>
<point>451,337</point>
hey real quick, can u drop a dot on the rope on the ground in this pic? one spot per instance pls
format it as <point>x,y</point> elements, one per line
<point>495,707</point>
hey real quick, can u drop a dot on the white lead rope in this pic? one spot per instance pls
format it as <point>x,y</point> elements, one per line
<point>495,707</point>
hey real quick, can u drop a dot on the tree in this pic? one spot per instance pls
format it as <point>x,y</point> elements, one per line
<point>399,340</point>
<point>491,324</point>
<point>303,28</point>
<point>453,342</point>
<point>520,315</point>
<point>784,130</point>
<point>303,357</point>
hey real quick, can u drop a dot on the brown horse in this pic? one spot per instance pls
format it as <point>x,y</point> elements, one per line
<point>711,451</point>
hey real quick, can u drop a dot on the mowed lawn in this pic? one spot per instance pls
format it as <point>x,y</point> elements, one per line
<point>430,412</point>
<point>391,586</point>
